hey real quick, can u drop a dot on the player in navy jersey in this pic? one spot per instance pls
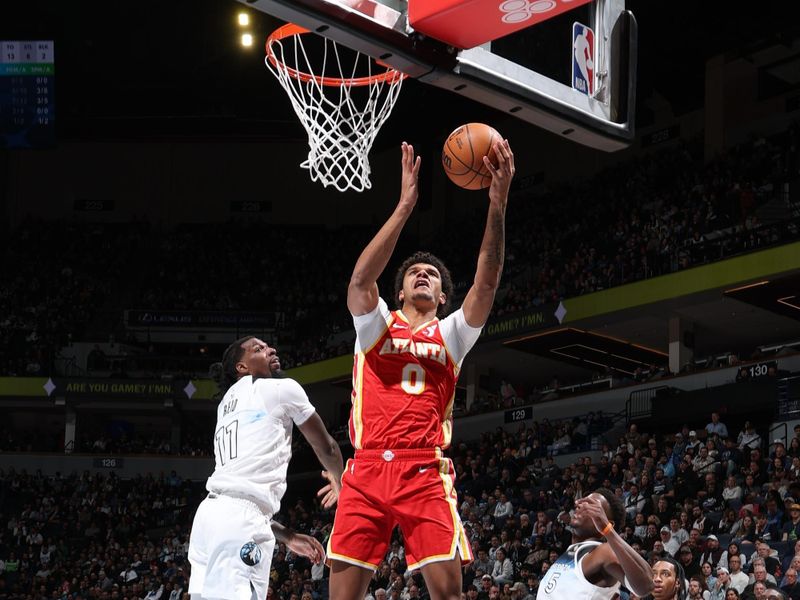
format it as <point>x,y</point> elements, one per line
<point>593,569</point>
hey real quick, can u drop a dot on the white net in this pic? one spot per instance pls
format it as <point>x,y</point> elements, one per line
<point>341,108</point>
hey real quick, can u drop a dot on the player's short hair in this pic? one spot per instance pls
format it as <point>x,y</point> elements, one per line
<point>224,373</point>
<point>615,504</point>
<point>444,272</point>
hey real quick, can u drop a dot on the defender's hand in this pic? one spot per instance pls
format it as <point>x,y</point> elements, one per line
<point>305,545</point>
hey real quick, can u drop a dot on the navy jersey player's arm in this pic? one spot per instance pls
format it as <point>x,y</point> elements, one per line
<point>480,297</point>
<point>616,560</point>
<point>362,293</point>
<point>328,453</point>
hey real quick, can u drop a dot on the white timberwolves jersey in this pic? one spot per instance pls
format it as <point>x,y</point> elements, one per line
<point>253,438</point>
<point>564,579</point>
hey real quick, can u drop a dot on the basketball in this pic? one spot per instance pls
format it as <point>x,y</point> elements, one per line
<point>463,152</point>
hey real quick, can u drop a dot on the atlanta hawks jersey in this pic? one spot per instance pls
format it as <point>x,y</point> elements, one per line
<point>404,380</point>
<point>565,578</point>
<point>253,438</point>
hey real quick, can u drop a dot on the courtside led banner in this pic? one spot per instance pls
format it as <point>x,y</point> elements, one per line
<point>84,387</point>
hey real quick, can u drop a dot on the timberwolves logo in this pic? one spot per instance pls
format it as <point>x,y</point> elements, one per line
<point>250,554</point>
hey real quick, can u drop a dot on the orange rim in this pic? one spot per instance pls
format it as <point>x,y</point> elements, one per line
<point>289,30</point>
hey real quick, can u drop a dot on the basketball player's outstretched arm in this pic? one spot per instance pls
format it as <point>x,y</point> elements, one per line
<point>299,543</point>
<point>616,559</point>
<point>362,293</point>
<point>479,299</point>
<point>328,453</point>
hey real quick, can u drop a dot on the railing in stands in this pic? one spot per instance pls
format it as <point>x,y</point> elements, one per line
<point>640,403</point>
<point>783,438</point>
<point>789,397</point>
<point>68,366</point>
<point>605,383</point>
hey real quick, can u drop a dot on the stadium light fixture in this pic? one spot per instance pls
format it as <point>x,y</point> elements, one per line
<point>247,40</point>
<point>244,19</point>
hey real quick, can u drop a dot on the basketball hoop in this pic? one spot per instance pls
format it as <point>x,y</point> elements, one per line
<point>341,122</point>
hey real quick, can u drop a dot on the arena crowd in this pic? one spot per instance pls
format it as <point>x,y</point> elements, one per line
<point>722,501</point>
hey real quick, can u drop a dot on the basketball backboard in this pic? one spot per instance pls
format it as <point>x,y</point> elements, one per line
<point>507,74</point>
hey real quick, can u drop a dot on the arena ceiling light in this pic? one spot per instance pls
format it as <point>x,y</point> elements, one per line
<point>244,19</point>
<point>247,40</point>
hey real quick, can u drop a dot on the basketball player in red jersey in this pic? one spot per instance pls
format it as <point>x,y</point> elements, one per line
<point>406,366</point>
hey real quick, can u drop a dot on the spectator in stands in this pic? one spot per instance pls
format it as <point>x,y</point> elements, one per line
<point>639,526</point>
<point>748,438</point>
<point>482,584</point>
<point>693,443</point>
<point>760,577</point>
<point>745,528</point>
<point>686,481</point>
<point>507,393</point>
<point>739,579</point>
<point>634,502</point>
<point>764,556</point>
<point>794,445</point>
<point>703,463</point>
<point>731,491</point>
<point>663,512</point>
<point>503,569</point>
<point>792,559</point>
<point>790,586</point>
<point>774,515</point>
<point>717,427</point>
<point>671,544</point>
<point>731,456</point>
<point>633,437</point>
<point>763,530</point>
<point>677,531</point>
<point>697,588</point>
<point>709,574</point>
<point>791,529</point>
<point>503,509</point>
<point>721,586</point>
<point>687,560</point>
<point>727,521</point>
<point>751,488</point>
<point>712,553</point>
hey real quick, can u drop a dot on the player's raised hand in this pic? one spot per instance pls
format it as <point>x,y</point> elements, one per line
<point>305,545</point>
<point>409,189</point>
<point>593,508</point>
<point>503,173</point>
<point>330,493</point>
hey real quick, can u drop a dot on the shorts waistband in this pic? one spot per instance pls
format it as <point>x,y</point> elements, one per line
<point>244,499</point>
<point>388,455</point>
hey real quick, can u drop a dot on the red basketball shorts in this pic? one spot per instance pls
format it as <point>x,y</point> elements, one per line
<point>409,488</point>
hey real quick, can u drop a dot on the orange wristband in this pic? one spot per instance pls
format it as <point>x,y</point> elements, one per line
<point>608,528</point>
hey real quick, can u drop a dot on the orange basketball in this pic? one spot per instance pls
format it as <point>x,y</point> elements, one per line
<point>463,152</point>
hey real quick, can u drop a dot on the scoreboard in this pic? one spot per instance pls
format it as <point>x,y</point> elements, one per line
<point>27,94</point>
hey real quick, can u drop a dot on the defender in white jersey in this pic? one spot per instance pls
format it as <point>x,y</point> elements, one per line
<point>592,569</point>
<point>233,536</point>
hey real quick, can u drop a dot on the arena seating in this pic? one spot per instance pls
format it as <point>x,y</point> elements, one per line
<point>660,213</point>
<point>95,536</point>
